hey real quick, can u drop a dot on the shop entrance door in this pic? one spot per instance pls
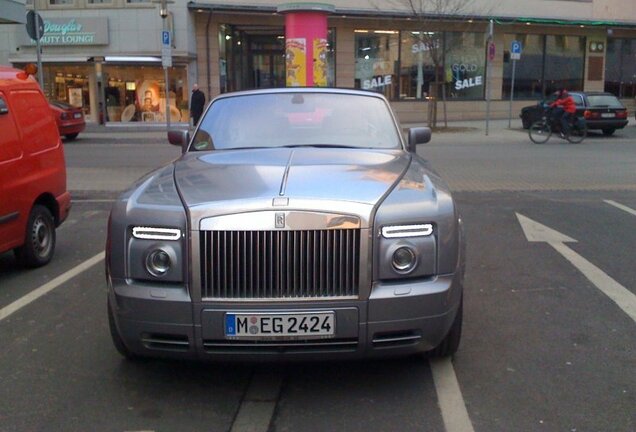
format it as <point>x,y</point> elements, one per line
<point>268,69</point>
<point>254,55</point>
<point>265,58</point>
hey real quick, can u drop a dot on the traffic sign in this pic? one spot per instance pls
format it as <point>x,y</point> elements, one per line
<point>32,18</point>
<point>515,50</point>
<point>491,51</point>
<point>166,49</point>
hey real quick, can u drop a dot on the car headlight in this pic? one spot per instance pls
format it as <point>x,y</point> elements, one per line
<point>158,262</point>
<point>406,231</point>
<point>404,259</point>
<point>155,254</point>
<point>406,251</point>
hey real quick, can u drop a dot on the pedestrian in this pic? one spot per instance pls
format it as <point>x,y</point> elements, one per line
<point>197,102</point>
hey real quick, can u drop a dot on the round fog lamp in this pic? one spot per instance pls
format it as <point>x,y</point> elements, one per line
<point>158,262</point>
<point>404,259</point>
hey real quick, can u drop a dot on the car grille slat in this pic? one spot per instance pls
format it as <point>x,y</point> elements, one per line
<point>285,264</point>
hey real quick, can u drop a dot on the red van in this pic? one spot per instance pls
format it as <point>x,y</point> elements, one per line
<point>33,196</point>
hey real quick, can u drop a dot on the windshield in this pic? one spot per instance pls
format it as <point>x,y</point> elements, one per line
<point>604,101</point>
<point>295,120</point>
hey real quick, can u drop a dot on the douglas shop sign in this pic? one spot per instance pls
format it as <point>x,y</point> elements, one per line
<point>73,31</point>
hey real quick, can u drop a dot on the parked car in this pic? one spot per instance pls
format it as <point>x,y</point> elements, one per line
<point>601,111</point>
<point>33,195</point>
<point>70,119</point>
<point>298,223</point>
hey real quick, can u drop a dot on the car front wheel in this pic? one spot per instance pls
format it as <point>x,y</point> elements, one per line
<point>39,241</point>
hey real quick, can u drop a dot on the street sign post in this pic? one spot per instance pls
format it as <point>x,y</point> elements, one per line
<point>491,57</point>
<point>515,54</point>
<point>166,62</point>
<point>35,29</point>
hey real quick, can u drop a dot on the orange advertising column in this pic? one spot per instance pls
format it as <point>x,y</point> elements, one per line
<point>306,43</point>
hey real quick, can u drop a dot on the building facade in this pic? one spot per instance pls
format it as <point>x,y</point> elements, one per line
<point>105,56</point>
<point>460,52</point>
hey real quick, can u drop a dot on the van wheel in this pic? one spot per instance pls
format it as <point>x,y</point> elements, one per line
<point>72,136</point>
<point>39,241</point>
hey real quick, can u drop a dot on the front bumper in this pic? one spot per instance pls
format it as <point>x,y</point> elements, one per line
<point>397,319</point>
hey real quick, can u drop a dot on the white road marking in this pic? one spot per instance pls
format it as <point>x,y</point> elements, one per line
<point>621,206</point>
<point>449,395</point>
<point>49,286</point>
<point>535,232</point>
<point>257,407</point>
<point>79,201</point>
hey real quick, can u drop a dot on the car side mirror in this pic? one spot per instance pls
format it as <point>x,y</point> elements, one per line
<point>418,135</point>
<point>179,137</point>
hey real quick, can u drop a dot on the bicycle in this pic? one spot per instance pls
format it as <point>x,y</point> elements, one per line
<point>541,130</point>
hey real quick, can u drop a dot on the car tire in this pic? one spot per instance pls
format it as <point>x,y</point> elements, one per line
<point>609,131</point>
<point>117,340</point>
<point>72,136</point>
<point>448,346</point>
<point>39,240</point>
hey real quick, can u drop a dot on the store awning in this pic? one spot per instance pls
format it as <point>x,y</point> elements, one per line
<point>401,13</point>
<point>12,12</point>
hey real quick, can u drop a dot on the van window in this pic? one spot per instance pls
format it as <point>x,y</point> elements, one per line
<point>9,139</point>
<point>32,112</point>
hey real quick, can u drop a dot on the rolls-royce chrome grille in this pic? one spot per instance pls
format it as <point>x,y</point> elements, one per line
<point>280,264</point>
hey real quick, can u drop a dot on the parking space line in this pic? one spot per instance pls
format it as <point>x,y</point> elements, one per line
<point>449,396</point>
<point>49,286</point>
<point>621,206</point>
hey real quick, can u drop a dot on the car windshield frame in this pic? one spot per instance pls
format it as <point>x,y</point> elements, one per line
<point>289,119</point>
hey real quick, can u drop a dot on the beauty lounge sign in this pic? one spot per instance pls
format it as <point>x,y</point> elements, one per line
<point>71,32</point>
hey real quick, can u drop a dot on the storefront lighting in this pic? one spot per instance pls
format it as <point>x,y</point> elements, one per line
<point>228,37</point>
<point>361,31</point>
<point>132,59</point>
<point>366,57</point>
<point>385,31</point>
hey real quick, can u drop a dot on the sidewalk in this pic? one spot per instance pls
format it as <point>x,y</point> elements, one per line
<point>137,131</point>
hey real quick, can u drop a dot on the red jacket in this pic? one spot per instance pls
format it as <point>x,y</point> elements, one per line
<point>567,104</point>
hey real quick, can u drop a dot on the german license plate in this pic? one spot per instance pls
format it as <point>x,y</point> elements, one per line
<point>77,115</point>
<point>608,115</point>
<point>280,325</point>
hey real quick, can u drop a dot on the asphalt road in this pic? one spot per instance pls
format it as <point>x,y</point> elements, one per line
<point>544,348</point>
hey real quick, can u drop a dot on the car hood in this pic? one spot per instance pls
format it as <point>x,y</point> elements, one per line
<point>232,178</point>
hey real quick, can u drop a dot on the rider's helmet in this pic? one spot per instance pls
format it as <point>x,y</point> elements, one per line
<point>563,94</point>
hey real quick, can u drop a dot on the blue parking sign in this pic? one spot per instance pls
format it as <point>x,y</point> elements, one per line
<point>515,47</point>
<point>165,37</point>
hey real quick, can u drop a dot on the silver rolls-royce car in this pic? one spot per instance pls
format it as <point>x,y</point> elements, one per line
<point>298,223</point>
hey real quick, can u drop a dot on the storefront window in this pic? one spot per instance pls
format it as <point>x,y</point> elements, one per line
<point>420,50</point>
<point>377,54</point>
<point>620,67</point>
<point>564,63</point>
<point>529,69</point>
<point>70,84</point>
<point>137,94</point>
<point>465,61</point>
